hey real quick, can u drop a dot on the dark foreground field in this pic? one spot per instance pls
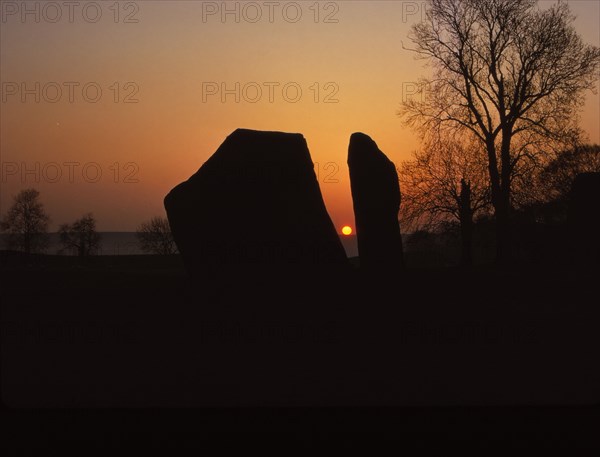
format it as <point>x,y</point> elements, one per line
<point>124,332</point>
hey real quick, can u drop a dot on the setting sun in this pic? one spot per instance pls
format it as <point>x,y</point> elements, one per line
<point>347,230</point>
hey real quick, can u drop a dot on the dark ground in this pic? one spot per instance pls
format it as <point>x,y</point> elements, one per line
<point>444,351</point>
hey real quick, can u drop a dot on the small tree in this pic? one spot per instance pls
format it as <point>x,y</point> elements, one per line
<point>27,223</point>
<point>81,236</point>
<point>155,237</point>
<point>557,176</point>
<point>549,193</point>
<point>445,181</point>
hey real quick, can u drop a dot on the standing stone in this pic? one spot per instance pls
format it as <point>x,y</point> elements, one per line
<point>584,218</point>
<point>256,200</point>
<point>376,199</point>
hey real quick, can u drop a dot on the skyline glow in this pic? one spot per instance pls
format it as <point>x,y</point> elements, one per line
<point>104,114</point>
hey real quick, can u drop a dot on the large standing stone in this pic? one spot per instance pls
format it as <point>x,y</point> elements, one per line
<point>255,200</point>
<point>376,198</point>
<point>584,218</point>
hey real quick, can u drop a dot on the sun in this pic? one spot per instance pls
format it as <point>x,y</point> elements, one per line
<point>347,230</point>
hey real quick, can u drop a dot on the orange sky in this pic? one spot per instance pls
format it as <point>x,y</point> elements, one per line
<point>168,56</point>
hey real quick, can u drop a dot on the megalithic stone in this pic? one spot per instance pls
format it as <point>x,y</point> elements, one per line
<point>256,200</point>
<point>376,200</point>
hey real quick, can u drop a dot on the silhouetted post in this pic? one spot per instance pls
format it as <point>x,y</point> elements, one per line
<point>466,223</point>
<point>376,200</point>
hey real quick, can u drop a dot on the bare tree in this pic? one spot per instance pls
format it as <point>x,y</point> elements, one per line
<point>155,237</point>
<point>445,181</point>
<point>508,72</point>
<point>80,236</point>
<point>27,223</point>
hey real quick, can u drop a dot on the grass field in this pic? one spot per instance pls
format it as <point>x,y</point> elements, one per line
<point>136,331</point>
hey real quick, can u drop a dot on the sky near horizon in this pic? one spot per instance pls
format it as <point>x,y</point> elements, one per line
<point>106,106</point>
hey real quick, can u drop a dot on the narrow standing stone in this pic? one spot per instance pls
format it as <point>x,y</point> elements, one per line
<point>376,199</point>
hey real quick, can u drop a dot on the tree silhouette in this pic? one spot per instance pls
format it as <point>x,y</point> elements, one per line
<point>81,236</point>
<point>507,72</point>
<point>549,192</point>
<point>155,237</point>
<point>556,178</point>
<point>26,223</point>
<point>446,180</point>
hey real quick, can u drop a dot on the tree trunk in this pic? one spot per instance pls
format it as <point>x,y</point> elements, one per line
<point>500,187</point>
<point>503,238</point>
<point>81,245</point>
<point>27,243</point>
<point>503,242</point>
<point>466,224</point>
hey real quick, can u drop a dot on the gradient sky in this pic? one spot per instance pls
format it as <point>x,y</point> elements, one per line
<point>167,56</point>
